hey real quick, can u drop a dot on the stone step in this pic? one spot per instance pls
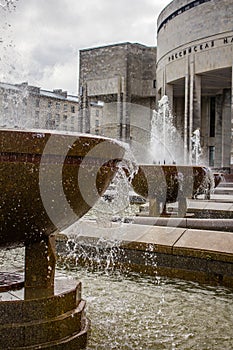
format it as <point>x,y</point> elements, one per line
<point>225,225</point>
<point>224,190</point>
<point>54,322</point>
<point>42,331</point>
<point>226,184</point>
<point>76,341</point>
<point>23,311</point>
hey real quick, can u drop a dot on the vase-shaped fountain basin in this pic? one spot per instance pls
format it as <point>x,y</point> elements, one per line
<point>169,183</point>
<point>48,180</point>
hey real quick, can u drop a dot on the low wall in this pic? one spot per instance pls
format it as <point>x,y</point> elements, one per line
<point>198,255</point>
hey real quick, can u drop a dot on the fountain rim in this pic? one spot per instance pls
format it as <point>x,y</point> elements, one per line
<point>149,165</point>
<point>63,133</point>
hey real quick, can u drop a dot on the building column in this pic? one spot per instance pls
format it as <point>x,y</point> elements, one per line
<point>231,160</point>
<point>124,111</point>
<point>205,128</point>
<point>218,162</point>
<point>164,82</point>
<point>197,102</point>
<point>191,95</point>
<point>119,109</point>
<point>86,110</point>
<point>226,128</point>
<point>84,115</point>
<point>169,93</point>
<point>80,112</point>
<point>186,103</point>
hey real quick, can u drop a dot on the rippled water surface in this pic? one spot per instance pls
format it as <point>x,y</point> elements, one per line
<point>129,311</point>
<point>135,312</point>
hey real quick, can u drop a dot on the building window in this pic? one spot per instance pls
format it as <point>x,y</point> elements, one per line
<point>65,107</point>
<point>50,122</point>
<point>154,84</point>
<point>72,109</point>
<point>37,119</point>
<point>37,102</point>
<point>57,105</point>
<point>72,123</point>
<point>181,10</point>
<point>212,116</point>
<point>57,120</point>
<point>64,122</point>
<point>211,155</point>
<point>49,104</point>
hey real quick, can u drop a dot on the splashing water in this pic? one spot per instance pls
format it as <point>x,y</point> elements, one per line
<point>196,147</point>
<point>8,4</point>
<point>8,54</point>
<point>116,201</point>
<point>14,104</point>
<point>105,221</point>
<point>13,98</point>
<point>166,146</point>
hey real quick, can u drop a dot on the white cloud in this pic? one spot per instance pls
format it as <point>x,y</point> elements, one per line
<point>61,76</point>
<point>48,34</point>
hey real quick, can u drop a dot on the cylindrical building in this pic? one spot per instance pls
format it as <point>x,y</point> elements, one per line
<point>194,68</point>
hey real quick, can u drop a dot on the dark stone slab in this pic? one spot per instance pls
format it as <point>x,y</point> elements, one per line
<point>17,332</point>
<point>10,281</point>
<point>20,311</point>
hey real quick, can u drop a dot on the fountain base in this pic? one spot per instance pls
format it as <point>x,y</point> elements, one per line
<point>57,322</point>
<point>42,315</point>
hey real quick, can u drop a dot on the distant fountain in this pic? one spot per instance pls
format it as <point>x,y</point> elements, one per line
<point>166,145</point>
<point>167,179</point>
<point>196,147</point>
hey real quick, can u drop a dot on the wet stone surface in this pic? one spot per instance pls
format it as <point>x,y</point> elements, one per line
<point>10,281</point>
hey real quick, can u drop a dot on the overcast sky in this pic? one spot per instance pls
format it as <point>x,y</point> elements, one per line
<point>41,39</point>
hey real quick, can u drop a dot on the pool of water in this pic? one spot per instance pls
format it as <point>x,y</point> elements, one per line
<point>132,311</point>
<point>129,311</point>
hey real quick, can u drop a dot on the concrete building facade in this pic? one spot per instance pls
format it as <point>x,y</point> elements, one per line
<point>25,106</point>
<point>117,90</point>
<point>194,68</point>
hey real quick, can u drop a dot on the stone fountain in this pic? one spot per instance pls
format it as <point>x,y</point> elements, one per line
<point>168,178</point>
<point>48,181</point>
<point>162,184</point>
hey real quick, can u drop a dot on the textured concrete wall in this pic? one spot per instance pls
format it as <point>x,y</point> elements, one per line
<point>123,76</point>
<point>202,21</point>
<point>204,32</point>
<point>134,63</point>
